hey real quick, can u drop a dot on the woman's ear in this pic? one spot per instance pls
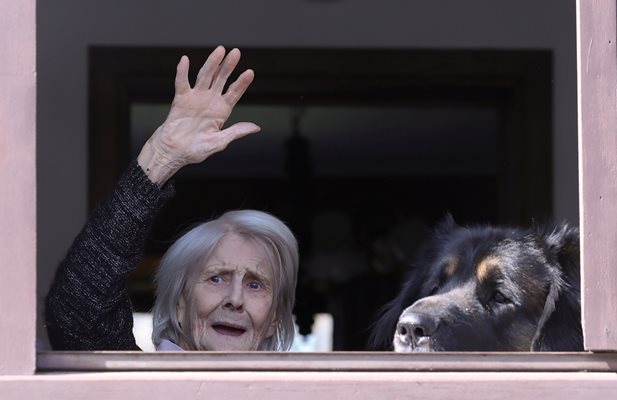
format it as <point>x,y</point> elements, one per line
<point>180,310</point>
<point>273,325</point>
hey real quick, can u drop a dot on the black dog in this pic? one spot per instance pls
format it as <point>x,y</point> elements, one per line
<point>488,289</point>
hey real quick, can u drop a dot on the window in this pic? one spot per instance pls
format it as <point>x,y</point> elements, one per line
<point>470,376</point>
<point>379,156</point>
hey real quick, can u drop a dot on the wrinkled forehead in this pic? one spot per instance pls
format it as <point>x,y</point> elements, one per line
<point>238,253</point>
<point>240,268</point>
<point>270,254</point>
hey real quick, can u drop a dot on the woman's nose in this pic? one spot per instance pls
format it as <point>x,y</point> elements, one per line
<point>235,297</point>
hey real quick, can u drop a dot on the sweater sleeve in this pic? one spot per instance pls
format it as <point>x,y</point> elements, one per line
<point>88,307</point>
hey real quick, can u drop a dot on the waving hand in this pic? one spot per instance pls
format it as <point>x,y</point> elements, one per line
<point>193,130</point>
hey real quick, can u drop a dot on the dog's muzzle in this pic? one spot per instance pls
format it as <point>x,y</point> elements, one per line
<point>414,331</point>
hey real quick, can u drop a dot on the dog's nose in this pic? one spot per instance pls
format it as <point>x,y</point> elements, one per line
<point>413,326</point>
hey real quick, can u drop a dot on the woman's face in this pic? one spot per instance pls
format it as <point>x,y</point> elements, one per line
<point>233,296</point>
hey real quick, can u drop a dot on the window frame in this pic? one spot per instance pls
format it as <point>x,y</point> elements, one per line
<point>597,124</point>
<point>19,377</point>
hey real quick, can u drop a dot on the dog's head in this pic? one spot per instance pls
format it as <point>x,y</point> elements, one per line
<point>488,289</point>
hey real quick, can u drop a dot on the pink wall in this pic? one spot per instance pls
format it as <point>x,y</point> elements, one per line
<point>18,258</point>
<point>17,177</point>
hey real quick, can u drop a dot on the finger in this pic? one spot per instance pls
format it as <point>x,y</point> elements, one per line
<point>237,89</point>
<point>238,130</point>
<point>182,76</point>
<point>208,70</point>
<point>229,64</point>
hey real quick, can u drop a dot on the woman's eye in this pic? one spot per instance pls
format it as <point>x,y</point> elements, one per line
<point>216,279</point>
<point>255,285</point>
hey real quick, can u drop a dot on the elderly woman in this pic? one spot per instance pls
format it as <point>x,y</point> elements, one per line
<point>228,284</point>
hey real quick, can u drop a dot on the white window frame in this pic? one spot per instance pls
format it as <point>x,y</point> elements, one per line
<point>94,375</point>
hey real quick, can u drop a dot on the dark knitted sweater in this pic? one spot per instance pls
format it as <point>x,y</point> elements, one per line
<point>87,307</point>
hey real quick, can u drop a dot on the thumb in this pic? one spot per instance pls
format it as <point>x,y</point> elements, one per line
<point>239,130</point>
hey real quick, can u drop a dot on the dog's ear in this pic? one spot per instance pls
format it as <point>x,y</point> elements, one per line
<point>446,225</point>
<point>559,327</point>
<point>563,243</point>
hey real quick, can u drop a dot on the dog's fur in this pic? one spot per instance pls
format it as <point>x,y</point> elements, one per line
<point>488,289</point>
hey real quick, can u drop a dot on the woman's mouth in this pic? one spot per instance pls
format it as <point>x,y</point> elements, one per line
<point>228,330</point>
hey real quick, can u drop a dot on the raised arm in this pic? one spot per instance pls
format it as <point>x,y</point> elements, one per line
<point>87,307</point>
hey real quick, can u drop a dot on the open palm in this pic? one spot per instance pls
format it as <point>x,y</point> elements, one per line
<point>193,130</point>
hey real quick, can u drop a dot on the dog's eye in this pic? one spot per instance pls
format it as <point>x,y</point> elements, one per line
<point>498,297</point>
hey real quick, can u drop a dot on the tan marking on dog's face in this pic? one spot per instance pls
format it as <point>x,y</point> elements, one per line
<point>485,267</point>
<point>451,266</point>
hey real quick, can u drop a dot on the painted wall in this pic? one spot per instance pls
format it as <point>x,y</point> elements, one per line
<point>67,27</point>
<point>18,193</point>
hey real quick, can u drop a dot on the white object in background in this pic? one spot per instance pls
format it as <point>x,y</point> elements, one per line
<point>142,330</point>
<point>320,338</point>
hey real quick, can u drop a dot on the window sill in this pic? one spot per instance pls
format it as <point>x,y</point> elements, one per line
<point>108,361</point>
